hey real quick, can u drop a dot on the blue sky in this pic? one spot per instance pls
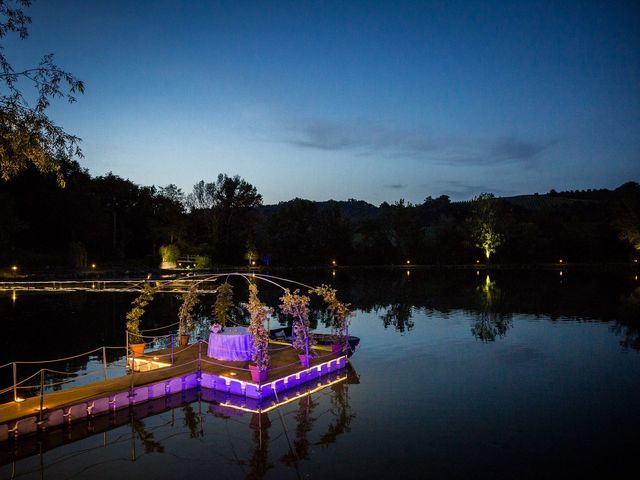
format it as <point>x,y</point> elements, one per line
<point>369,100</point>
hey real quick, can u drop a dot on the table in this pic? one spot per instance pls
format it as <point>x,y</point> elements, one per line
<point>233,343</point>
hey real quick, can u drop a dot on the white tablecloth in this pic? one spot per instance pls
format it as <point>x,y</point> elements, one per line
<point>234,343</point>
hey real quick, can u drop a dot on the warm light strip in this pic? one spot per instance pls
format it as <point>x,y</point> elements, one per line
<point>277,405</point>
<point>273,382</point>
<point>143,361</point>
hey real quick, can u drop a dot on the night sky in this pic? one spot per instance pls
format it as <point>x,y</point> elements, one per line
<point>369,100</point>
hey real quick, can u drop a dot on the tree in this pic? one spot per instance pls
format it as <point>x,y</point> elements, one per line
<point>627,213</point>
<point>484,224</point>
<point>27,135</point>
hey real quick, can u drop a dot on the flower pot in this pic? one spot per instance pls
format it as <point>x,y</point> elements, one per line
<point>184,340</point>
<point>304,360</point>
<point>257,375</point>
<point>138,349</point>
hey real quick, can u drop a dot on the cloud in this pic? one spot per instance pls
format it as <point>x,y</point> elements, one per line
<point>395,186</point>
<point>366,140</point>
<point>458,190</point>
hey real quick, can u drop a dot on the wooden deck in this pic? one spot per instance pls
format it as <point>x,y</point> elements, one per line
<point>188,360</point>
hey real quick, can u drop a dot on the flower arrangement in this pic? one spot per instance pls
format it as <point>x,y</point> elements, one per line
<point>135,314</point>
<point>338,311</point>
<point>297,306</point>
<point>223,304</point>
<point>259,313</point>
<point>186,315</point>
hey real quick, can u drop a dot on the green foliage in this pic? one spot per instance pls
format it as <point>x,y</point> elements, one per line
<point>169,253</point>
<point>28,137</point>
<point>223,304</point>
<point>259,313</point>
<point>202,262</point>
<point>251,252</point>
<point>484,224</point>
<point>338,311</point>
<point>186,316</point>
<point>297,306</point>
<point>137,311</point>
<point>627,214</point>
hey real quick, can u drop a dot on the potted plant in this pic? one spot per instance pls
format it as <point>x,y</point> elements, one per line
<point>186,315</point>
<point>223,305</point>
<point>339,313</point>
<point>134,335</point>
<point>260,349</point>
<point>297,306</point>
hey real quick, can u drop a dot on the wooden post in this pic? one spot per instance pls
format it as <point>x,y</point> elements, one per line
<point>133,369</point>
<point>15,382</point>
<point>41,394</point>
<point>104,363</point>
<point>346,340</point>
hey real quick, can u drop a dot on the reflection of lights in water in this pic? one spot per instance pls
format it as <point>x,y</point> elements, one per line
<point>478,273</point>
<point>636,277</point>
<point>93,285</point>
<point>560,272</point>
<point>14,296</point>
<point>333,273</point>
<point>408,273</point>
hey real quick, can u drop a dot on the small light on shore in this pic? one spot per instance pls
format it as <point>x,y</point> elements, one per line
<point>14,268</point>
<point>232,374</point>
<point>408,262</point>
<point>561,261</point>
<point>155,358</point>
<point>635,260</point>
<point>253,263</point>
<point>93,265</point>
<point>333,262</point>
<point>477,261</point>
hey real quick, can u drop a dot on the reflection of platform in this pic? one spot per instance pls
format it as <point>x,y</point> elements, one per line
<point>232,344</point>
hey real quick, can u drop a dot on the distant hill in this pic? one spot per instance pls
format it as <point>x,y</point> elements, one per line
<point>355,210</point>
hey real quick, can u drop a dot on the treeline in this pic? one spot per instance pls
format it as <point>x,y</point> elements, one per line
<point>108,219</point>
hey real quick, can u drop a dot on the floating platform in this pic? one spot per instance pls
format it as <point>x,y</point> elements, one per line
<point>163,374</point>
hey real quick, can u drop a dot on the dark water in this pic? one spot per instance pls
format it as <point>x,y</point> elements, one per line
<point>522,375</point>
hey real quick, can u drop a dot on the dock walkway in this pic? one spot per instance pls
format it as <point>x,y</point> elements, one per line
<point>191,368</point>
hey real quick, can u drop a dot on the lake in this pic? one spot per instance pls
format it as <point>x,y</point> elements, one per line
<point>459,374</point>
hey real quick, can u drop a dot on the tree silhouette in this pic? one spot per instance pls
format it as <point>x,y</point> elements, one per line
<point>27,135</point>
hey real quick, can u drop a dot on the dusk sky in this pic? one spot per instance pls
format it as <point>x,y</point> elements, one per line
<point>369,100</point>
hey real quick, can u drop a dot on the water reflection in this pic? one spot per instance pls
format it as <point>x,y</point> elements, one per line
<point>490,321</point>
<point>150,432</point>
<point>629,326</point>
